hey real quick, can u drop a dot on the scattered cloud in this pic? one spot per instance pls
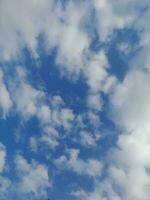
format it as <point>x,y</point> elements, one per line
<point>2,157</point>
<point>80,34</point>
<point>90,167</point>
<point>5,99</point>
<point>33,178</point>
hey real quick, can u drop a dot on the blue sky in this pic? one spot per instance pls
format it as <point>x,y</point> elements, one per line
<point>74,100</point>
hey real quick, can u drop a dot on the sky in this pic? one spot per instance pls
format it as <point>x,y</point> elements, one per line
<point>74,100</point>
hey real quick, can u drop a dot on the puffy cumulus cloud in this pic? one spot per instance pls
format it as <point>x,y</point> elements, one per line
<point>21,22</point>
<point>30,101</point>
<point>140,10</point>
<point>63,117</point>
<point>67,28</point>
<point>86,130</point>
<point>5,99</point>
<point>44,114</point>
<point>142,57</point>
<point>109,17</point>
<point>67,118</point>
<point>128,174</point>
<point>131,108</point>
<point>88,119</point>
<point>132,162</point>
<point>96,71</point>
<point>124,48</point>
<point>98,79</point>
<point>131,101</point>
<point>5,184</point>
<point>2,157</point>
<point>94,102</point>
<point>88,139</point>
<point>74,35</point>
<point>102,191</point>
<point>62,28</point>
<point>129,161</point>
<point>26,98</point>
<point>52,117</point>
<point>49,137</point>
<point>90,167</point>
<point>33,178</point>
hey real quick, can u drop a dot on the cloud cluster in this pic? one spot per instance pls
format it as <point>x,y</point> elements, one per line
<point>71,29</point>
<point>2,157</point>
<point>5,100</point>
<point>33,178</point>
<point>129,161</point>
<point>90,167</point>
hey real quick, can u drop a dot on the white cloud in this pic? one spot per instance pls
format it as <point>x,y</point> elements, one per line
<point>5,100</point>
<point>56,102</point>
<point>5,183</point>
<point>21,22</point>
<point>26,99</point>
<point>88,139</point>
<point>110,18</point>
<point>33,177</point>
<point>62,28</point>
<point>94,102</point>
<point>131,111</point>
<point>124,48</point>
<point>129,164</point>
<point>31,102</point>
<point>51,117</point>
<point>44,114</point>
<point>96,71</point>
<point>131,101</point>
<point>67,118</point>
<point>4,187</point>
<point>90,167</point>
<point>33,144</point>
<point>60,114</point>
<point>2,157</point>
<point>128,174</point>
<point>102,191</point>
<point>50,137</point>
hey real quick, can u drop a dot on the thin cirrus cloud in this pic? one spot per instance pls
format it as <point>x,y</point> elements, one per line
<point>50,52</point>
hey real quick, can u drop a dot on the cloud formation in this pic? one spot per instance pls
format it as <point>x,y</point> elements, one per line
<point>100,127</point>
